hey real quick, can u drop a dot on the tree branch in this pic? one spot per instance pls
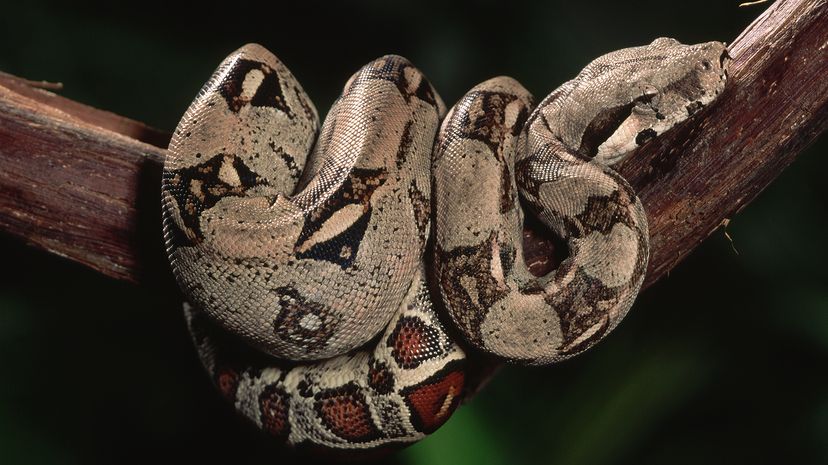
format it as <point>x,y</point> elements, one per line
<point>84,183</point>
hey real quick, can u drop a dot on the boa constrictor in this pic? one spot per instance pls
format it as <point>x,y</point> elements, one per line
<point>302,257</point>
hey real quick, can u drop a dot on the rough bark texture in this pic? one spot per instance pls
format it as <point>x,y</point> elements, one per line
<point>85,184</point>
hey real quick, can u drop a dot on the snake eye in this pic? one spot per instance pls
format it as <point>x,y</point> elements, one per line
<point>706,64</point>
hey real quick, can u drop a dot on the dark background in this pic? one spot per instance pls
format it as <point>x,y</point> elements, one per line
<point>724,361</point>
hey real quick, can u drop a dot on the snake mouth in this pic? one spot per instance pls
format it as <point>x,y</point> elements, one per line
<point>724,62</point>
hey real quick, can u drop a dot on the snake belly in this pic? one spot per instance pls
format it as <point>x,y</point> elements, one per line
<point>558,158</point>
<point>310,249</point>
<point>307,252</point>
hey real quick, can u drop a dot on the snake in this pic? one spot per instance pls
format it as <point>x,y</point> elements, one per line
<point>342,282</point>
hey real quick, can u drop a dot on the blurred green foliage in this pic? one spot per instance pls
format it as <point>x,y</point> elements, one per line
<point>724,361</point>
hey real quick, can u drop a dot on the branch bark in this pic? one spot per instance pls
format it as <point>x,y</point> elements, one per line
<point>84,183</point>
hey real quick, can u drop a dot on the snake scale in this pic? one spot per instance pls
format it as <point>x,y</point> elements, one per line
<point>339,278</point>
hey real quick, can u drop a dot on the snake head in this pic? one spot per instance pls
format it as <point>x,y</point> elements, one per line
<point>638,93</point>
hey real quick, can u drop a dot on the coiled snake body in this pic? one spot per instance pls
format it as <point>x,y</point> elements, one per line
<point>310,250</point>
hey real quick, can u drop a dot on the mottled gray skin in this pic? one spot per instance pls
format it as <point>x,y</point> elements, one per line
<point>309,265</point>
<point>306,248</point>
<point>313,272</point>
<point>559,157</point>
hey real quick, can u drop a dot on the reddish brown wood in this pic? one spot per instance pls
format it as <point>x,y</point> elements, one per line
<point>76,189</point>
<point>85,183</point>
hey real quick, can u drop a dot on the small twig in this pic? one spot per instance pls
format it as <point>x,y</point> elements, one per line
<point>724,225</point>
<point>34,84</point>
<point>752,3</point>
